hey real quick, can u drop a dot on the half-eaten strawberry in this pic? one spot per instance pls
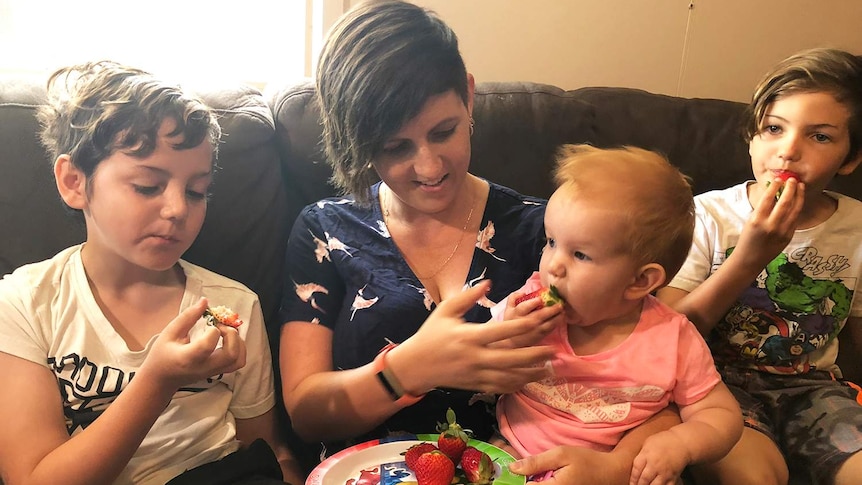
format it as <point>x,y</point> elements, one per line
<point>550,296</point>
<point>222,315</point>
<point>784,176</point>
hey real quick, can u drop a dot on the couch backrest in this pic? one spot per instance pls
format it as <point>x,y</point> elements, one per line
<point>519,126</point>
<point>246,227</point>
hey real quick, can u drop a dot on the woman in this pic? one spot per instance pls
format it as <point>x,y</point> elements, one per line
<point>409,259</point>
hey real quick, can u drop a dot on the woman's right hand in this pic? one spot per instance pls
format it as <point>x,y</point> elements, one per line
<point>177,360</point>
<point>498,357</point>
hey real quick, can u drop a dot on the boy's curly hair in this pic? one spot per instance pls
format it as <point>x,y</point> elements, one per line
<point>96,108</point>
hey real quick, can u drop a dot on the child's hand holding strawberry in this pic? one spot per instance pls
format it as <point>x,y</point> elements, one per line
<point>175,360</point>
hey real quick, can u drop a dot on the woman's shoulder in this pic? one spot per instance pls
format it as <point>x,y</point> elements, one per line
<point>507,195</point>
<point>505,203</point>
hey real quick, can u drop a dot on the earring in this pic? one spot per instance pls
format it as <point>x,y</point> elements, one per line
<point>472,123</point>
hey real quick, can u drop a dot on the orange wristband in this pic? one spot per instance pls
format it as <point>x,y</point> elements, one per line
<point>390,382</point>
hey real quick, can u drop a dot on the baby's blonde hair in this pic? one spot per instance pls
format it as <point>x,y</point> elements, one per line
<point>653,195</point>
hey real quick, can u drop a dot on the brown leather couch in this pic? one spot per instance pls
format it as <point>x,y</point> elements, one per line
<point>271,163</point>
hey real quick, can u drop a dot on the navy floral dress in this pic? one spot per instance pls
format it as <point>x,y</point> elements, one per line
<point>344,272</point>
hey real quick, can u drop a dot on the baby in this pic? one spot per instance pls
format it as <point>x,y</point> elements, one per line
<point>618,228</point>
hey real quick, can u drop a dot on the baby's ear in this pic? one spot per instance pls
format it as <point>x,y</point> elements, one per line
<point>648,278</point>
<point>71,182</point>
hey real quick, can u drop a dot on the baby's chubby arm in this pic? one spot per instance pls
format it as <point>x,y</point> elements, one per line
<point>35,447</point>
<point>710,428</point>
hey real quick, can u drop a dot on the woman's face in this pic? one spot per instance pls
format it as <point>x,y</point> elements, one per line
<point>425,163</point>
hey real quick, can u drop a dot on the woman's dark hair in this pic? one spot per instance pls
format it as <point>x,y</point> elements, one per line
<point>379,65</point>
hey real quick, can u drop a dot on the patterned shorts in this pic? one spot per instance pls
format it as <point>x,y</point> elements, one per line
<point>815,420</point>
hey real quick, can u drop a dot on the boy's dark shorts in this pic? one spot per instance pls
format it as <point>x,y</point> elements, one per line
<point>255,465</point>
<point>815,420</point>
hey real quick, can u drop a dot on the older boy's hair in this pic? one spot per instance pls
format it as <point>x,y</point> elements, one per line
<point>97,108</point>
<point>814,70</point>
<point>655,197</point>
<point>380,64</point>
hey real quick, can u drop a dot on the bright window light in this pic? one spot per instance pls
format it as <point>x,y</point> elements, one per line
<point>200,42</point>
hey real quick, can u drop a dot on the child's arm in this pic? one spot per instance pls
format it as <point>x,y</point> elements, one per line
<point>766,233</point>
<point>265,427</point>
<point>35,447</point>
<point>710,428</point>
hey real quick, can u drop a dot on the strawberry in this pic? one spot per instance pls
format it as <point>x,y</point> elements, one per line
<point>222,315</point>
<point>477,466</point>
<point>415,451</point>
<point>550,296</point>
<point>434,468</point>
<point>783,176</point>
<point>453,438</point>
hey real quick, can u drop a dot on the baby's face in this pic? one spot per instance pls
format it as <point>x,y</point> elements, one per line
<point>585,256</point>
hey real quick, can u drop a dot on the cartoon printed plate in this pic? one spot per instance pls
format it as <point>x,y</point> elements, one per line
<point>379,462</point>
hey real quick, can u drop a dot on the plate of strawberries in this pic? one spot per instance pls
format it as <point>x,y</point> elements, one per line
<point>448,458</point>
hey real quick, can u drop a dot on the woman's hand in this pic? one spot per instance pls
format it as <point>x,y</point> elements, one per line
<point>494,357</point>
<point>176,360</point>
<point>551,319</point>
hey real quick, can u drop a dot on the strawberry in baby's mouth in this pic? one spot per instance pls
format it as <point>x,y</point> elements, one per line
<point>550,296</point>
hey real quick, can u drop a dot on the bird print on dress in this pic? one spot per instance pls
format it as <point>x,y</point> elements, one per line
<point>334,244</point>
<point>321,250</point>
<point>361,303</point>
<point>426,298</point>
<point>382,229</point>
<point>484,301</point>
<point>483,240</point>
<point>323,203</point>
<point>306,292</point>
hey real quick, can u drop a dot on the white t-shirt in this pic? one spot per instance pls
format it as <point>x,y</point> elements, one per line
<point>50,317</point>
<point>787,321</point>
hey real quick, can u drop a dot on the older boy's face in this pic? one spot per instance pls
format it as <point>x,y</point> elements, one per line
<point>147,212</point>
<point>805,134</point>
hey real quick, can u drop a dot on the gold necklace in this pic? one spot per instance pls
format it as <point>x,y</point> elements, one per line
<point>387,215</point>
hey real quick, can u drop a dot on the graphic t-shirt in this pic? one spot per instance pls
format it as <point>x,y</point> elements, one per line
<point>51,318</point>
<point>788,320</point>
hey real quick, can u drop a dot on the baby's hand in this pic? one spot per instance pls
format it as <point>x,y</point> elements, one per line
<point>661,460</point>
<point>176,360</point>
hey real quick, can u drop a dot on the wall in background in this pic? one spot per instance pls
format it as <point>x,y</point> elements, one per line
<point>699,48</point>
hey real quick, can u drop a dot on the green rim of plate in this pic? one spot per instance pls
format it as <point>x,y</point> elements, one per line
<point>497,455</point>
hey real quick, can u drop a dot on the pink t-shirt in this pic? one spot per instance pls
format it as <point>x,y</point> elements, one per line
<point>592,400</point>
